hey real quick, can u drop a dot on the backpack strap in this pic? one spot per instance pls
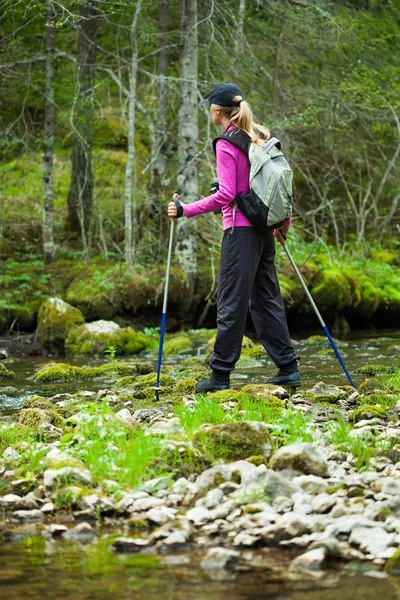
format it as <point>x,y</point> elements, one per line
<point>271,143</point>
<point>237,137</point>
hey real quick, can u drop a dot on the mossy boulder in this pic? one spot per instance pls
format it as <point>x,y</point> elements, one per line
<point>185,385</point>
<point>323,392</point>
<point>371,297</point>
<point>263,392</point>
<point>368,411</point>
<point>94,339</point>
<point>34,417</point>
<point>336,289</point>
<point>55,319</point>
<point>125,383</point>
<point>5,373</point>
<point>38,402</point>
<point>370,386</point>
<point>232,441</point>
<point>56,372</point>
<point>227,396</point>
<point>303,457</point>
<point>149,380</point>
<point>180,344</point>
<point>372,370</point>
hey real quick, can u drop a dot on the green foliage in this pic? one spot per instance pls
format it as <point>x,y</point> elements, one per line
<point>111,351</point>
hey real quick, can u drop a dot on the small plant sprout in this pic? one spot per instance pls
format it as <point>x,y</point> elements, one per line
<point>111,351</point>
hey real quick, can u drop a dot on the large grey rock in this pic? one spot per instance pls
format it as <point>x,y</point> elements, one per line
<point>176,538</point>
<point>271,483</point>
<point>28,516</point>
<point>9,501</point>
<point>198,515</point>
<point>212,499</point>
<point>372,540</point>
<point>102,327</point>
<point>172,426</point>
<point>66,475</point>
<point>159,516</point>
<point>391,486</point>
<point>11,454</point>
<point>147,414</point>
<point>311,484</point>
<point>219,558</point>
<point>303,457</point>
<point>126,544</point>
<point>323,390</point>
<point>309,561</point>
<point>155,485</point>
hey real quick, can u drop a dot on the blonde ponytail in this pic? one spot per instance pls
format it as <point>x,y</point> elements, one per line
<point>242,117</point>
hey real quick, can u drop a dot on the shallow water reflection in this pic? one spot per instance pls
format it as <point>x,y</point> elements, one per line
<point>36,568</point>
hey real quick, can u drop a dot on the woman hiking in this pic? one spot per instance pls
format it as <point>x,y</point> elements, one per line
<point>247,275</point>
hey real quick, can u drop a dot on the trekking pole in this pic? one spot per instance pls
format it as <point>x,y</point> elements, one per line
<point>282,240</point>
<point>164,310</point>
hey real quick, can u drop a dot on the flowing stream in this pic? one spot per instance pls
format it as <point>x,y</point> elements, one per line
<point>33,567</point>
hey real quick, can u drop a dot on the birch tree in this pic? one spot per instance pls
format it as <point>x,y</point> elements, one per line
<point>49,121</point>
<point>188,138</point>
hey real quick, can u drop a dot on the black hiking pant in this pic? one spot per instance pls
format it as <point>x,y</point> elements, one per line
<point>248,279</point>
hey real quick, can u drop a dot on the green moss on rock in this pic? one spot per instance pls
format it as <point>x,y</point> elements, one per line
<point>337,289</point>
<point>185,385</point>
<point>82,341</point>
<point>138,524</point>
<point>125,382</point>
<point>227,396</point>
<point>257,460</point>
<point>232,441</point>
<point>5,373</point>
<point>372,370</point>
<point>34,417</point>
<point>55,372</point>
<point>144,381</point>
<point>180,344</point>
<point>368,411</point>
<point>55,319</point>
<point>38,402</point>
<point>393,564</point>
<point>369,386</point>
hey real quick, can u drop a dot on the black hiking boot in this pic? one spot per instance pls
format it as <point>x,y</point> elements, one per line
<point>288,375</point>
<point>219,380</point>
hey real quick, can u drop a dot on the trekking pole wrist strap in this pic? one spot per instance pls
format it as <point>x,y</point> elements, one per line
<point>179,208</point>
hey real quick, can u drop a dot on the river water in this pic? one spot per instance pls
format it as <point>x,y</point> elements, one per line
<point>33,567</point>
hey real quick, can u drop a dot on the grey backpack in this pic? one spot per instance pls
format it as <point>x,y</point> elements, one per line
<point>269,202</point>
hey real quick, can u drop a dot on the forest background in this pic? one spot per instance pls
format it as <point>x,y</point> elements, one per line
<point>100,124</point>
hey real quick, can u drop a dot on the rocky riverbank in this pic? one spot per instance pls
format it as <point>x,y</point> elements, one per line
<point>316,472</point>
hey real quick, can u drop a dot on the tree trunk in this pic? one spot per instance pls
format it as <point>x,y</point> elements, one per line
<point>188,139</point>
<point>49,122</point>
<point>80,197</point>
<point>162,89</point>
<point>129,251</point>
